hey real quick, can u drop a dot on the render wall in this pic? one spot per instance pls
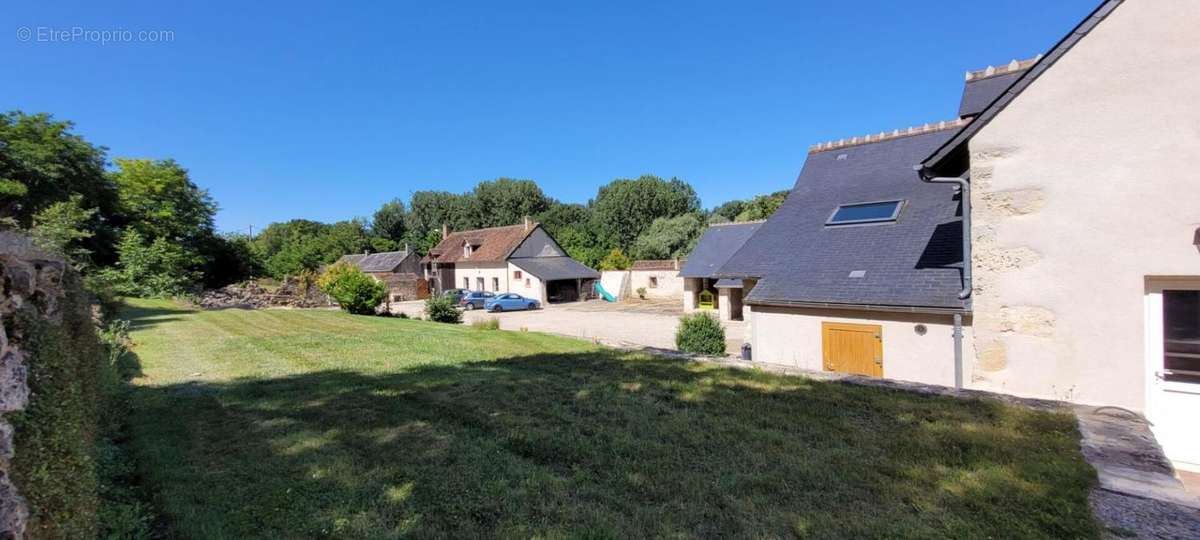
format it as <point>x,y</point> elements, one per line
<point>485,270</point>
<point>528,286</point>
<point>1083,187</point>
<point>792,337</point>
<point>670,285</point>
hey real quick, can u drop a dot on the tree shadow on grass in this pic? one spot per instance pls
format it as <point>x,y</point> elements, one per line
<point>140,317</point>
<point>601,444</point>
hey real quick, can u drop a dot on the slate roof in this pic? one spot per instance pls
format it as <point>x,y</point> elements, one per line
<point>715,247</point>
<point>914,262</point>
<point>978,93</point>
<point>492,245</point>
<point>948,148</point>
<point>551,268</point>
<point>376,262</point>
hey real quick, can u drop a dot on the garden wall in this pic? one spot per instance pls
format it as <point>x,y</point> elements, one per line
<point>51,370</point>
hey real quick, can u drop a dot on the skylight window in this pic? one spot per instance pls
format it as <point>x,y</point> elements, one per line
<point>874,212</point>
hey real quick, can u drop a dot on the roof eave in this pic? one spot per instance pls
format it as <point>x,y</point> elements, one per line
<point>933,310</point>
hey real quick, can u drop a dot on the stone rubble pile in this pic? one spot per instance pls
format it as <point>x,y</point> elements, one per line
<point>251,295</point>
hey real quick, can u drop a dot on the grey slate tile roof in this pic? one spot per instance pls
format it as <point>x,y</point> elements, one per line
<point>914,262</point>
<point>550,268</point>
<point>715,247</point>
<point>979,93</point>
<point>376,262</point>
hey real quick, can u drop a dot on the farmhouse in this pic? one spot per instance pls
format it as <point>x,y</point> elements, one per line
<point>400,271</point>
<point>1076,178</point>
<point>522,259</point>
<point>702,288</point>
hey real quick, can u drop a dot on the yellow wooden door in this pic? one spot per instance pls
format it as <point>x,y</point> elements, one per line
<point>853,348</point>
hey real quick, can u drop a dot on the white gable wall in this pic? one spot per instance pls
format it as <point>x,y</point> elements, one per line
<point>1083,187</point>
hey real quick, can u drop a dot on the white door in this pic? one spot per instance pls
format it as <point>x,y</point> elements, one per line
<point>1173,368</point>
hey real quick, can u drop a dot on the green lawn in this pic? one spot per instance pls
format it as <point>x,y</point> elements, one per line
<point>288,424</point>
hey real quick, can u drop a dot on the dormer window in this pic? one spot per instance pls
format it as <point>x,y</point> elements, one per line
<point>860,213</point>
<point>467,249</point>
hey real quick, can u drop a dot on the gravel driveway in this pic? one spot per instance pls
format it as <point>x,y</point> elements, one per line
<point>636,324</point>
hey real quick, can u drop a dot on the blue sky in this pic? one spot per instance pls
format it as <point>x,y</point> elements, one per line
<point>324,110</point>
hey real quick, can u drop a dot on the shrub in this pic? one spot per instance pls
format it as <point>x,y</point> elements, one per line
<point>352,289</point>
<point>490,323</point>
<point>442,309</point>
<point>616,260</point>
<point>700,333</point>
<point>641,292</point>
<point>159,268</point>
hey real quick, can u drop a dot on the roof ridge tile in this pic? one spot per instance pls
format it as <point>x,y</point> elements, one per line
<point>886,136</point>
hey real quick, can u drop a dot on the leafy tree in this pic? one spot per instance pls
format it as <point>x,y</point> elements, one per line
<point>229,258</point>
<point>428,210</point>
<point>352,289</point>
<point>63,227</point>
<point>581,245</point>
<point>562,215</point>
<point>151,268</point>
<point>729,210</point>
<point>669,237</point>
<point>388,221</point>
<point>761,207</point>
<point>380,245</point>
<point>299,245</point>
<point>506,201</point>
<point>42,162</point>
<point>159,200</point>
<point>615,260</point>
<point>623,209</point>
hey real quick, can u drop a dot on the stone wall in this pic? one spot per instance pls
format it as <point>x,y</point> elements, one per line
<point>32,285</point>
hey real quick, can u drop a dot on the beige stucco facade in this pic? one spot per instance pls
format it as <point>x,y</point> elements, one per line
<point>658,283</point>
<point>494,276</point>
<point>1084,190</point>
<point>527,285</point>
<point>793,337</point>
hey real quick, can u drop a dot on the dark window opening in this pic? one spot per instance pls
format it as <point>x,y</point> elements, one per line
<point>1181,336</point>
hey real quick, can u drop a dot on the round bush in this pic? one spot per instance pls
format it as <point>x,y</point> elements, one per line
<point>353,290</point>
<point>442,309</point>
<point>700,333</point>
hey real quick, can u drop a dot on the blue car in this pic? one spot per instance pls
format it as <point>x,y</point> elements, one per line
<point>510,302</point>
<point>475,299</point>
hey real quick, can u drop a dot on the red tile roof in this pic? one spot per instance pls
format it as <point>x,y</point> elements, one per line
<point>490,245</point>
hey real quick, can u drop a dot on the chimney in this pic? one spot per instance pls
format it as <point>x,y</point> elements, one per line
<point>445,230</point>
<point>527,223</point>
<point>676,263</point>
<point>406,247</point>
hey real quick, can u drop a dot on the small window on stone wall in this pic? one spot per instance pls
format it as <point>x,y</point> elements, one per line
<point>653,282</point>
<point>527,283</point>
<point>516,274</point>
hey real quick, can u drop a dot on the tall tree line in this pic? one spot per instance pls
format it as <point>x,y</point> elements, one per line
<point>143,227</point>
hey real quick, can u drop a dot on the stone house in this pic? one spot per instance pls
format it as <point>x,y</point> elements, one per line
<point>400,272</point>
<point>702,287</point>
<point>522,259</point>
<point>1074,171</point>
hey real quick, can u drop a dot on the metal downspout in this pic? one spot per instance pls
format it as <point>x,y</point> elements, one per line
<point>965,197</point>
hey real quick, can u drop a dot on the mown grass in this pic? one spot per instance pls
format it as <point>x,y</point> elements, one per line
<point>288,424</point>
